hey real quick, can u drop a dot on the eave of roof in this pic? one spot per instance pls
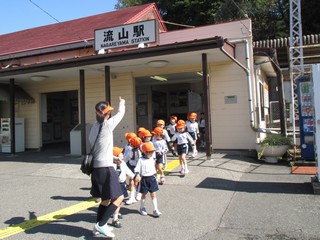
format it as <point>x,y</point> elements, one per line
<point>187,46</point>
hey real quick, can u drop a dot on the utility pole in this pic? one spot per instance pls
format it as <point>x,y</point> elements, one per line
<point>296,60</point>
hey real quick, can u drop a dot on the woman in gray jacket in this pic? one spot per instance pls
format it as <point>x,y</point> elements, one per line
<point>104,178</point>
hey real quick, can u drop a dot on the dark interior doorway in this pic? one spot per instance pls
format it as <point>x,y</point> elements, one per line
<point>60,114</point>
<point>159,106</point>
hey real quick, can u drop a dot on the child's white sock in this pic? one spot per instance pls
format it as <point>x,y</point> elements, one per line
<point>155,204</point>
<point>132,194</point>
<point>185,166</point>
<point>142,203</point>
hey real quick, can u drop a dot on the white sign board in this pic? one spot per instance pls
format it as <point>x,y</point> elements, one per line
<point>126,35</point>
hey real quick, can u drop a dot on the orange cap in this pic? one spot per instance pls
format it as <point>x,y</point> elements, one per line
<point>157,130</point>
<point>193,115</point>
<point>107,109</point>
<point>117,151</point>
<point>135,141</point>
<point>181,124</point>
<point>129,135</point>
<point>145,133</point>
<point>160,121</point>
<point>140,129</point>
<point>148,147</point>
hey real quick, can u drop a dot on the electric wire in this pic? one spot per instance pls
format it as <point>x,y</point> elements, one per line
<point>68,29</point>
<point>245,15</point>
<point>44,11</point>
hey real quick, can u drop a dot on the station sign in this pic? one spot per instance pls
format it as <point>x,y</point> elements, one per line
<point>126,35</point>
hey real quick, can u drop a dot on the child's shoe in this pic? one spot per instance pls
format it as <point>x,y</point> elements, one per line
<point>95,232</point>
<point>143,211</point>
<point>162,180</point>
<point>131,201</point>
<point>194,153</point>
<point>156,213</point>
<point>116,223</point>
<point>104,230</point>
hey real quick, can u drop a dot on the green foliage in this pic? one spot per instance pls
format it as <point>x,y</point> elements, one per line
<point>276,140</point>
<point>270,18</point>
<point>273,140</point>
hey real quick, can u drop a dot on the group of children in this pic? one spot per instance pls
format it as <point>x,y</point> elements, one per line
<point>145,155</point>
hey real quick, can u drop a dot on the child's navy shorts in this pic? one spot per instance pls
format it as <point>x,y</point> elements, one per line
<point>182,149</point>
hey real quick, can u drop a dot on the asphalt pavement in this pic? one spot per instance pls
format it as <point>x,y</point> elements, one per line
<point>227,196</point>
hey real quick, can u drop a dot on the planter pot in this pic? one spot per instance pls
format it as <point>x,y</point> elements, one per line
<point>271,153</point>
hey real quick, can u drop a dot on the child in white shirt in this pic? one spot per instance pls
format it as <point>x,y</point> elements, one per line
<point>128,147</point>
<point>171,128</point>
<point>165,136</point>
<point>193,129</point>
<point>148,183</point>
<point>161,149</point>
<point>131,159</point>
<point>183,141</point>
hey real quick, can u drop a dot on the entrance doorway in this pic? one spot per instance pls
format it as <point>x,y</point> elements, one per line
<point>59,115</point>
<point>159,97</point>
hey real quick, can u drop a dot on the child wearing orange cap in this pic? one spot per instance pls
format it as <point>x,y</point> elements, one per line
<point>171,128</point>
<point>193,129</point>
<point>148,183</point>
<point>139,130</point>
<point>161,149</point>
<point>128,136</point>
<point>145,135</point>
<point>128,148</point>
<point>123,172</point>
<point>161,123</point>
<point>131,160</point>
<point>183,140</point>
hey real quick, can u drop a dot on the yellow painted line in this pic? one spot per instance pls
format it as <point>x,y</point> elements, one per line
<point>50,217</point>
<point>171,165</point>
<point>15,229</point>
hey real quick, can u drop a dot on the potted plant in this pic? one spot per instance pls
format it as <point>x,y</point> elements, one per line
<point>273,147</point>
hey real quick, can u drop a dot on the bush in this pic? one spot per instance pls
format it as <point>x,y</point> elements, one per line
<point>276,140</point>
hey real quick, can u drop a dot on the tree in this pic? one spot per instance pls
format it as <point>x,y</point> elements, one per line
<point>200,12</point>
<point>270,18</point>
<point>309,15</point>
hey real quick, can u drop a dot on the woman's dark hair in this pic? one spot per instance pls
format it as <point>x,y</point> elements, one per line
<point>100,113</point>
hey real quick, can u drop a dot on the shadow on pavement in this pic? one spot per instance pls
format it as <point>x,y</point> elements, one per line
<point>49,153</point>
<point>256,187</point>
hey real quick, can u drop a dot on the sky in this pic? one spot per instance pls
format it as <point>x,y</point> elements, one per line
<point>17,15</point>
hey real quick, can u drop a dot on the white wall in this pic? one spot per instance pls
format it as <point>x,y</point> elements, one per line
<point>230,122</point>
